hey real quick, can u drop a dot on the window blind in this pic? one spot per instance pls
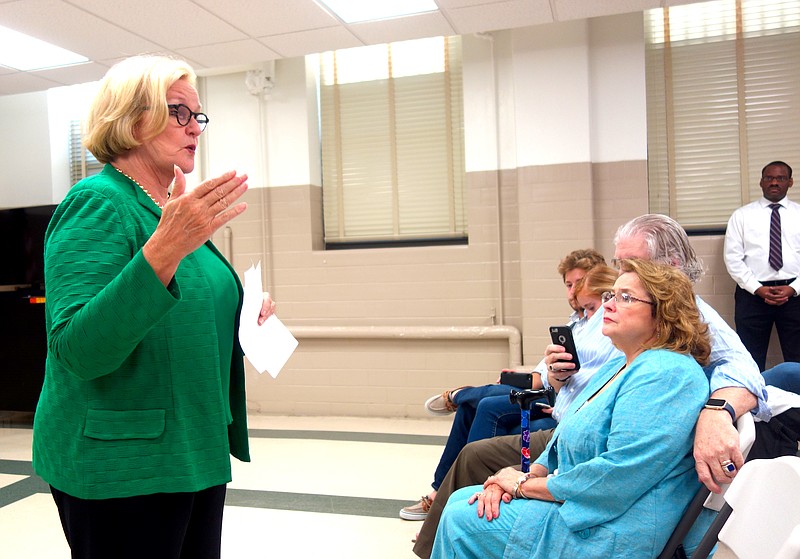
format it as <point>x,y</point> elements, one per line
<point>82,163</point>
<point>723,100</point>
<point>392,142</point>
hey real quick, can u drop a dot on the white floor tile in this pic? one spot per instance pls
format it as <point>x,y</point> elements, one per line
<point>8,479</point>
<point>255,533</point>
<point>30,528</point>
<point>391,471</point>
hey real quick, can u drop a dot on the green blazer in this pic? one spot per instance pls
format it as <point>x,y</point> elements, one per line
<point>132,402</point>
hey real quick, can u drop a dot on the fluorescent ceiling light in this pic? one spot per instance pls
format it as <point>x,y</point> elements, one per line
<point>354,11</point>
<point>23,52</point>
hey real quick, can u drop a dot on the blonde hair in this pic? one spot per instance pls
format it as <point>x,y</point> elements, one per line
<point>679,325</point>
<point>131,102</point>
<point>597,280</point>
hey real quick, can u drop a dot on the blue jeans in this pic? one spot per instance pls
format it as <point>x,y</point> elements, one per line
<point>483,412</point>
<point>785,376</point>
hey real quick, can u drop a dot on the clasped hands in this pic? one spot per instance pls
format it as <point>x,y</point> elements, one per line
<point>775,295</point>
<point>497,488</point>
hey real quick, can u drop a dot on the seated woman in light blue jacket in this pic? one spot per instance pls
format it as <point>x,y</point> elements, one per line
<point>618,472</point>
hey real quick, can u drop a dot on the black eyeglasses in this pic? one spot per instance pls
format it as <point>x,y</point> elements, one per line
<point>624,298</point>
<point>780,178</point>
<point>184,114</point>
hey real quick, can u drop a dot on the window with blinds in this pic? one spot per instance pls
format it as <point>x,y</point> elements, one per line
<point>82,163</point>
<point>391,126</point>
<point>723,100</point>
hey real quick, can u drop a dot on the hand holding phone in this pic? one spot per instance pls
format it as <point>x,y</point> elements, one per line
<point>562,335</point>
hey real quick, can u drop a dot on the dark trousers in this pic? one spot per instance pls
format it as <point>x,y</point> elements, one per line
<point>160,526</point>
<point>476,462</point>
<point>754,319</point>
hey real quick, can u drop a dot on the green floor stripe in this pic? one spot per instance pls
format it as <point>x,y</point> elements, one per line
<point>332,504</point>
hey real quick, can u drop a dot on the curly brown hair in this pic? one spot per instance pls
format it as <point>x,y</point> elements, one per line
<point>585,259</point>
<point>679,325</point>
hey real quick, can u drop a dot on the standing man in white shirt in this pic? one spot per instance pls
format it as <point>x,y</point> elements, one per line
<point>762,254</point>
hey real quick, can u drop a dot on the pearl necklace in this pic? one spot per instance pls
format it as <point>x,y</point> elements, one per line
<point>156,202</point>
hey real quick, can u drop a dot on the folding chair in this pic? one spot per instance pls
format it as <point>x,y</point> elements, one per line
<point>705,499</point>
<point>765,498</point>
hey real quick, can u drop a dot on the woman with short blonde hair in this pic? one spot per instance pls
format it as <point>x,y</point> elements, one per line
<point>143,400</point>
<point>131,102</point>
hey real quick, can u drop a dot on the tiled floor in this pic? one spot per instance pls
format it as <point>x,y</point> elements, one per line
<point>320,487</point>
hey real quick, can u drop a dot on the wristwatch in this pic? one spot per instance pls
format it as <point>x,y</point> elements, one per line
<point>720,404</point>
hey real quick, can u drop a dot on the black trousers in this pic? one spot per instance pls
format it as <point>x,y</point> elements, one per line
<point>159,526</point>
<point>754,319</point>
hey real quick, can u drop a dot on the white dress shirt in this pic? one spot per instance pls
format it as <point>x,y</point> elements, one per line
<point>747,244</point>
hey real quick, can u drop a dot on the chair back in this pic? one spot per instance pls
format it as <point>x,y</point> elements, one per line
<point>765,522</point>
<point>746,427</point>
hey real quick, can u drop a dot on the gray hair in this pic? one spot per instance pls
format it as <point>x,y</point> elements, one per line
<point>666,241</point>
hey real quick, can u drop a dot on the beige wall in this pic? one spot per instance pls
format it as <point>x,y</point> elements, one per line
<point>545,212</point>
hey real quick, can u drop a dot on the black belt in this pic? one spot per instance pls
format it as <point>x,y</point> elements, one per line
<point>775,283</point>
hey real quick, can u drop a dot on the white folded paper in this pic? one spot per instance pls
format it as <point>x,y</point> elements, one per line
<point>270,345</point>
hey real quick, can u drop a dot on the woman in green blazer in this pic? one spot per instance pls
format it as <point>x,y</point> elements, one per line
<point>143,399</point>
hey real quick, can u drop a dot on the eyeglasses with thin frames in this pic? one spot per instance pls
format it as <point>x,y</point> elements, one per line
<point>623,298</point>
<point>780,178</point>
<point>184,114</point>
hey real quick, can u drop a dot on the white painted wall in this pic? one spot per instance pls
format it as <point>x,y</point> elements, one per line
<point>272,138</point>
<point>65,105</point>
<point>618,110</point>
<point>551,89</point>
<point>25,171</point>
<point>558,93</point>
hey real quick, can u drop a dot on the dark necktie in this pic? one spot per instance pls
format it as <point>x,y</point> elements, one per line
<point>775,251</point>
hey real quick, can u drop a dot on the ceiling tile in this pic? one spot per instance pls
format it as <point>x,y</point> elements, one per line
<point>72,28</point>
<point>402,29</point>
<point>217,35</point>
<point>235,53</point>
<point>259,18</point>
<point>178,23</point>
<point>23,82</point>
<point>311,42</point>
<point>449,4</point>
<point>502,15</point>
<point>566,10</point>
<point>77,73</point>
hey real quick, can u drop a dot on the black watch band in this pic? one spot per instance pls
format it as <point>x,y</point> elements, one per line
<point>719,404</point>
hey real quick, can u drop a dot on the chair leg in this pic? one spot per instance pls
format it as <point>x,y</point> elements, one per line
<point>710,538</point>
<point>674,549</point>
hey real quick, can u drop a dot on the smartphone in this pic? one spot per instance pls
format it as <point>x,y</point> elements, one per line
<point>562,335</point>
<point>517,380</point>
